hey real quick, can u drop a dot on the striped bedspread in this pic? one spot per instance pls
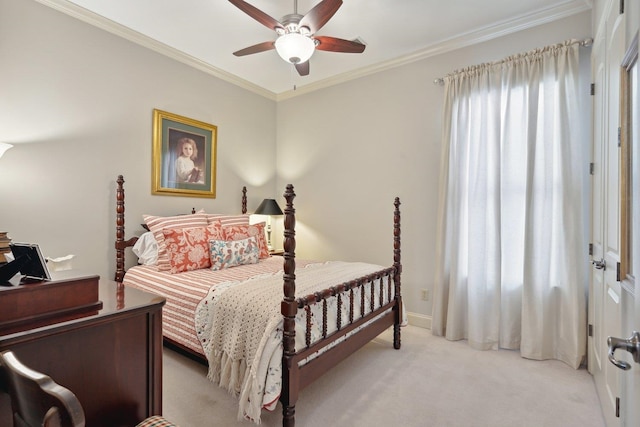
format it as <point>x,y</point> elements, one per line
<point>184,291</point>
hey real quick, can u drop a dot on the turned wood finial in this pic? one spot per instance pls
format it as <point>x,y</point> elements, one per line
<point>289,308</point>
<point>396,235</point>
<point>244,200</point>
<point>289,268</point>
<point>396,277</point>
<point>119,229</point>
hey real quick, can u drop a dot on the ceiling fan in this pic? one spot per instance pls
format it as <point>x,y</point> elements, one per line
<point>296,40</point>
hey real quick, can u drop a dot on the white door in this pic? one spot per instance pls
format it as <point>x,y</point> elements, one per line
<point>627,355</point>
<point>634,75</point>
<point>605,291</point>
<point>633,413</point>
<point>612,288</point>
<point>596,287</point>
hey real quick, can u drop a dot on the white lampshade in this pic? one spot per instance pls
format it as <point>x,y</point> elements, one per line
<point>4,147</point>
<point>295,47</point>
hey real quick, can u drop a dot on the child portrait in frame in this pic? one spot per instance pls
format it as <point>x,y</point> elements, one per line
<point>184,156</point>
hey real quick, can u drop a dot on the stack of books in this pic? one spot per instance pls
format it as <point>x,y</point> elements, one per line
<point>4,246</point>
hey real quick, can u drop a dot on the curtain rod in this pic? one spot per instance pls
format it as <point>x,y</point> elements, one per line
<point>583,43</point>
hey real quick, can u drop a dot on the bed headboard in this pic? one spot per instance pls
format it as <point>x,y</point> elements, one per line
<point>121,244</point>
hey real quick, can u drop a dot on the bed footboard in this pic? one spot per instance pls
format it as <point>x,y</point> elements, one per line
<point>375,295</point>
<point>382,311</point>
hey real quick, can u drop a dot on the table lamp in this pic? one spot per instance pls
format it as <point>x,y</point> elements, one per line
<point>270,208</point>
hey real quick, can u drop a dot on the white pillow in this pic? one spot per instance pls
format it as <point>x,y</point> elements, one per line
<point>146,249</point>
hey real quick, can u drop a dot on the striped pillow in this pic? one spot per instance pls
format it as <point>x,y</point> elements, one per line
<point>158,223</point>
<point>229,219</point>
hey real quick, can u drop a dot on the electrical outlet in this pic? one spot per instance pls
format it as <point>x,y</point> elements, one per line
<point>425,294</point>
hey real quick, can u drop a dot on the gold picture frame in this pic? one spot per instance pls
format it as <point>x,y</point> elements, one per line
<point>183,156</point>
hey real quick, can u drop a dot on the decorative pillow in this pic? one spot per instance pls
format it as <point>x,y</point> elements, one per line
<point>231,253</point>
<point>157,223</point>
<point>188,248</point>
<point>237,232</point>
<point>229,219</point>
<point>193,211</point>
<point>215,231</point>
<point>146,249</point>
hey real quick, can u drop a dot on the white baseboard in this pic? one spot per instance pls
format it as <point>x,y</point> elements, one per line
<point>420,320</point>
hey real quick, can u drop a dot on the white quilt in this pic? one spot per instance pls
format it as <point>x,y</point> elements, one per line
<point>240,328</point>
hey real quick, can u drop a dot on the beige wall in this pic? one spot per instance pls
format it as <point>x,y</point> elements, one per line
<point>77,102</point>
<point>351,148</point>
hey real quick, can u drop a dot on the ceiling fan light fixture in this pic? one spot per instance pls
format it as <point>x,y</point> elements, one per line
<point>295,48</point>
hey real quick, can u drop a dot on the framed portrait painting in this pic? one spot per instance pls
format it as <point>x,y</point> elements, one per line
<point>183,156</point>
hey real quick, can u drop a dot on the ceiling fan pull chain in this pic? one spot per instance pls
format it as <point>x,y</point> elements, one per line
<point>292,69</point>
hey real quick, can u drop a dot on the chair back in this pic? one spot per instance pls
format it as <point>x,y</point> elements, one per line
<point>37,400</point>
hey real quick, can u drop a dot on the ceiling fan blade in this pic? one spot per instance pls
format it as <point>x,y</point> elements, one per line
<point>333,44</point>
<point>320,14</point>
<point>257,14</point>
<point>256,48</point>
<point>303,69</point>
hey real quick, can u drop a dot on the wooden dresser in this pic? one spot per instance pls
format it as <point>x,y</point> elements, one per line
<point>108,350</point>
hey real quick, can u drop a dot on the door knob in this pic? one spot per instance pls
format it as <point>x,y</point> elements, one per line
<point>632,345</point>
<point>600,265</point>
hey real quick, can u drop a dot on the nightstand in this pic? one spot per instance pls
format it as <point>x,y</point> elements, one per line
<point>278,252</point>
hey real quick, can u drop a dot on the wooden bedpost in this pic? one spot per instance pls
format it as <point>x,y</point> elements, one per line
<point>289,308</point>
<point>396,276</point>
<point>244,200</point>
<point>121,244</point>
<point>119,229</point>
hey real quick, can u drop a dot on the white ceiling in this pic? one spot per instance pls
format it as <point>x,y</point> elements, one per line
<point>205,33</point>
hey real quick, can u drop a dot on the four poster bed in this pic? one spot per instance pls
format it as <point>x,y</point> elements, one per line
<point>261,340</point>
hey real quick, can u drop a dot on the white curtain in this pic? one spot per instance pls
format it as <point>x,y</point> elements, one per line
<point>512,267</point>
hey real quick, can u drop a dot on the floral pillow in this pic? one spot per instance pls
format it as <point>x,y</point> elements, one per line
<point>231,253</point>
<point>215,230</point>
<point>158,224</point>
<point>188,248</point>
<point>237,232</point>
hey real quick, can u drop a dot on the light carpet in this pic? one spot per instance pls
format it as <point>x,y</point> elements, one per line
<point>428,382</point>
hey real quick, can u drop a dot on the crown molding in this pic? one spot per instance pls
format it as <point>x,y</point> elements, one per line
<point>487,33</point>
<point>500,29</point>
<point>113,27</point>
